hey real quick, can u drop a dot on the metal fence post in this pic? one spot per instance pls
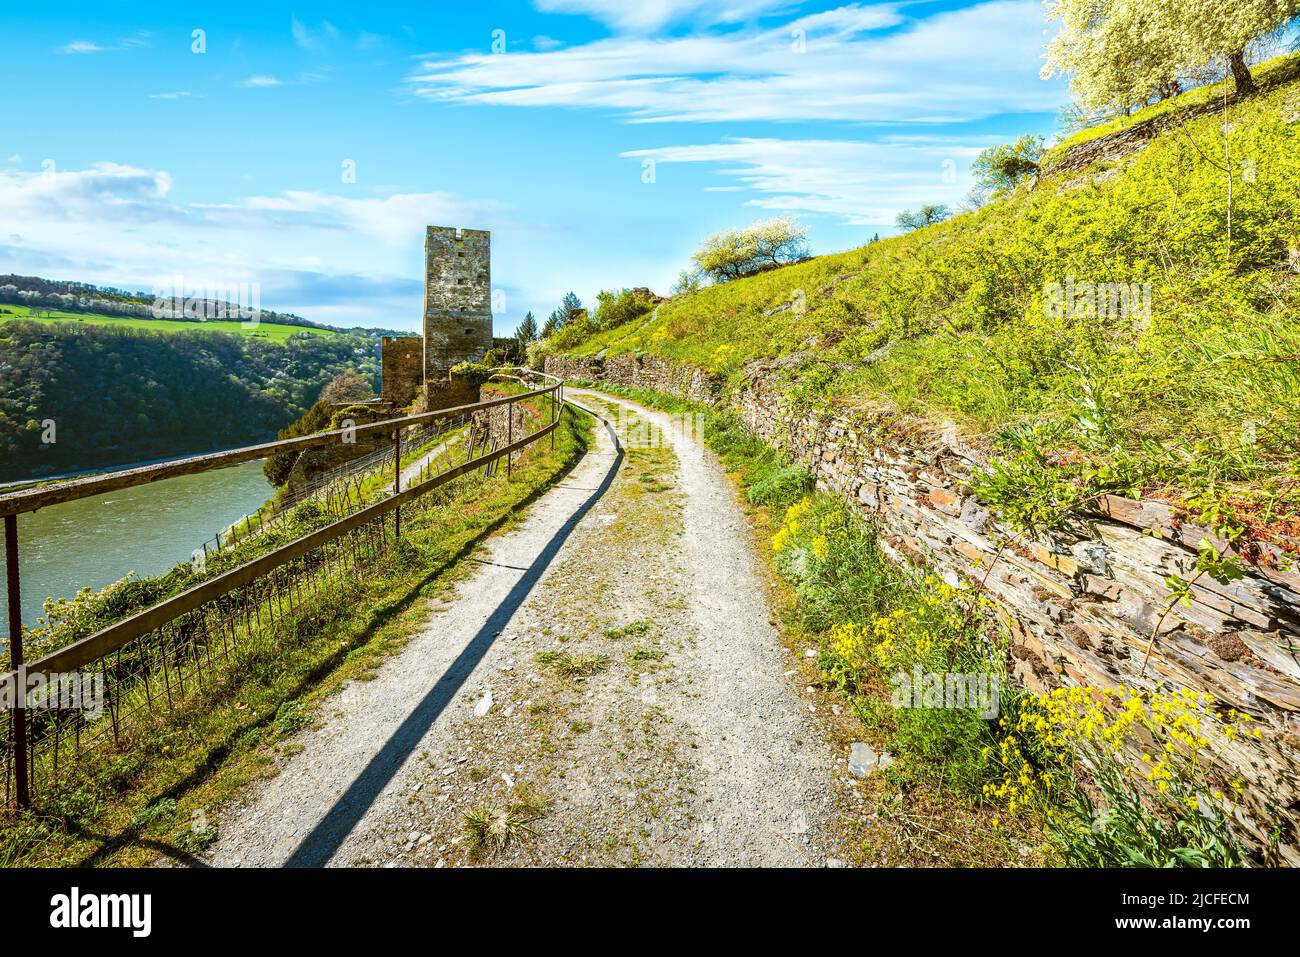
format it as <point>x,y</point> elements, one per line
<point>16,660</point>
<point>397,481</point>
<point>510,435</point>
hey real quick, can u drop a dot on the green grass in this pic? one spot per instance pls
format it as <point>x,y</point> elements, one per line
<point>272,332</point>
<point>953,323</point>
<point>158,797</point>
<point>573,665</point>
<point>1278,70</point>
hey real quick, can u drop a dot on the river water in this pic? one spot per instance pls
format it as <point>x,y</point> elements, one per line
<point>147,530</point>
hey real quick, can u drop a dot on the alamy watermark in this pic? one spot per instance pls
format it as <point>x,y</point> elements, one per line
<point>70,691</point>
<point>1075,299</point>
<point>636,432</point>
<point>241,301</point>
<point>974,691</point>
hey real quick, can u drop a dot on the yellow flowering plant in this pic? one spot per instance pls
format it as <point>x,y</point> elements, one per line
<point>1123,776</point>
<point>881,620</point>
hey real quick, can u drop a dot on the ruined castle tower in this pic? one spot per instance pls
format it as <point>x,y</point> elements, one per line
<point>457,298</point>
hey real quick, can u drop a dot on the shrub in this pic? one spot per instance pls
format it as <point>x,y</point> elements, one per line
<point>614,309</point>
<point>927,215</point>
<point>278,465</point>
<point>999,169</point>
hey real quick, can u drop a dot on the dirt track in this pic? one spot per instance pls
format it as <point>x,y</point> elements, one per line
<point>640,712</point>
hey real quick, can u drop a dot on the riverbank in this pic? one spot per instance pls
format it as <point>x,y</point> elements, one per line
<point>96,541</point>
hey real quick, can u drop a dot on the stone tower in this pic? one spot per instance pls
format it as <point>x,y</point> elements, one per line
<point>457,298</point>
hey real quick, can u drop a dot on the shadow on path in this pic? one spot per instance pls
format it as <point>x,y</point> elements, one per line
<point>329,834</point>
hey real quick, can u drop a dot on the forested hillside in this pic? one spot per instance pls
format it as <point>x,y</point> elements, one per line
<point>75,297</point>
<point>109,396</point>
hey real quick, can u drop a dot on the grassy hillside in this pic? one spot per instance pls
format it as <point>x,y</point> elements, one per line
<point>271,332</point>
<point>955,322</point>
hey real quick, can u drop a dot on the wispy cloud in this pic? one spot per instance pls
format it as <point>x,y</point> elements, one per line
<point>176,95</point>
<point>653,14</point>
<point>309,38</point>
<point>139,39</point>
<point>262,79</point>
<point>81,46</point>
<point>857,63</point>
<point>862,183</point>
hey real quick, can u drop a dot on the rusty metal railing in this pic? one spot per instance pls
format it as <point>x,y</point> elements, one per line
<point>144,661</point>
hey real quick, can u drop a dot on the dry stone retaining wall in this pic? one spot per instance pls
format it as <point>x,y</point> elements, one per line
<point>638,372</point>
<point>1080,608</point>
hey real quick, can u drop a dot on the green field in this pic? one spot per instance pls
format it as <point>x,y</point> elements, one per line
<point>265,330</point>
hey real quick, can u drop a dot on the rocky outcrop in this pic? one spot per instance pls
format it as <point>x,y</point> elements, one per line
<point>1080,608</point>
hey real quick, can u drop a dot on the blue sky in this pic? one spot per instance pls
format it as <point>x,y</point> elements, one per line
<point>599,140</point>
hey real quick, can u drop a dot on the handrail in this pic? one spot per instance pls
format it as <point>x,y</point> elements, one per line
<point>114,637</point>
<point>29,500</point>
<point>107,640</point>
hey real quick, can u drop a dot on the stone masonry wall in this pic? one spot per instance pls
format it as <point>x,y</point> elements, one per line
<point>495,424</point>
<point>638,372</point>
<point>402,369</point>
<point>1079,608</point>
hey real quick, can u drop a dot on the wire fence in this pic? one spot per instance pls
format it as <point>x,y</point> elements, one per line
<point>343,482</point>
<point>103,694</point>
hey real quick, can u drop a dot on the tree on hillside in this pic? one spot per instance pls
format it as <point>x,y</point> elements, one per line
<point>615,307</point>
<point>346,387</point>
<point>1000,168</point>
<point>570,306</point>
<point>927,215</point>
<point>1211,29</point>
<point>734,253</point>
<point>1120,54</point>
<point>1116,53</point>
<point>552,324</point>
<point>527,331</point>
<point>688,281</point>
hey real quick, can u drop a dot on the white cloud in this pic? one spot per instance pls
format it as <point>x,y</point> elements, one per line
<point>862,183</point>
<point>82,46</point>
<point>652,14</point>
<point>177,95</point>
<point>262,79</point>
<point>859,63</point>
<point>121,225</point>
<point>139,39</point>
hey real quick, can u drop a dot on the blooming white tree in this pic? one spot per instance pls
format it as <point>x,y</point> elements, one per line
<point>1119,54</point>
<point>1211,29</point>
<point>742,252</point>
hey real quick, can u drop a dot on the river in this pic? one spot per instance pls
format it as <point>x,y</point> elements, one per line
<point>147,530</point>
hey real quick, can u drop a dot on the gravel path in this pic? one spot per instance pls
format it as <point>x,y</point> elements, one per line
<point>606,688</point>
<point>412,471</point>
